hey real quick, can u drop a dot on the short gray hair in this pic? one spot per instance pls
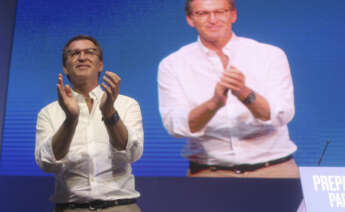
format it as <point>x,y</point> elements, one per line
<point>189,11</point>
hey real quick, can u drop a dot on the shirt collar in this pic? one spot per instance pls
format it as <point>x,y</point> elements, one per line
<point>95,94</point>
<point>227,49</point>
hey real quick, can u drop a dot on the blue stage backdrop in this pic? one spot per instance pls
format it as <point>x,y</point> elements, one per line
<point>137,34</point>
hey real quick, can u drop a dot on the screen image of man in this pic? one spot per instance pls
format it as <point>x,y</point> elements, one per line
<point>89,137</point>
<point>230,96</point>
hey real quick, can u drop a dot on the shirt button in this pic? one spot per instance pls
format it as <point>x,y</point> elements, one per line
<point>237,171</point>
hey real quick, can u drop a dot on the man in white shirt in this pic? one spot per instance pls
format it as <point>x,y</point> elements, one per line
<point>89,137</point>
<point>232,97</point>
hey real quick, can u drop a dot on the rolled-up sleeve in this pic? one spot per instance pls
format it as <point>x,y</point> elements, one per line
<point>131,117</point>
<point>44,154</point>
<point>280,93</point>
<point>173,105</point>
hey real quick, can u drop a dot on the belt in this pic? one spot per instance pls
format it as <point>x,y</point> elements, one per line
<point>95,205</point>
<point>238,169</point>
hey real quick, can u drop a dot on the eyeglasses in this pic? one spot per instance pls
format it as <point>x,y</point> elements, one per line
<point>74,53</point>
<point>203,14</point>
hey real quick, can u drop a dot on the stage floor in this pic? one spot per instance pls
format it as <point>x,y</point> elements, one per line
<point>165,194</point>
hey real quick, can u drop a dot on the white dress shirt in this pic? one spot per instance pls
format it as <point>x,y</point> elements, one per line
<point>187,78</point>
<point>93,168</point>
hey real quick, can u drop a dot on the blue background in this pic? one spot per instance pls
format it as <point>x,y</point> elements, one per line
<point>137,34</point>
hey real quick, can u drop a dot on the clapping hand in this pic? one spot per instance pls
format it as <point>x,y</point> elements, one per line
<point>111,87</point>
<point>234,80</point>
<point>231,80</point>
<point>66,99</point>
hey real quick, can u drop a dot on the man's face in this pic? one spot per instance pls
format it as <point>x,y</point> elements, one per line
<point>213,19</point>
<point>83,62</point>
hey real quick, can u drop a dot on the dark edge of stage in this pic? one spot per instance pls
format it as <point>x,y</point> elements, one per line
<point>7,22</point>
